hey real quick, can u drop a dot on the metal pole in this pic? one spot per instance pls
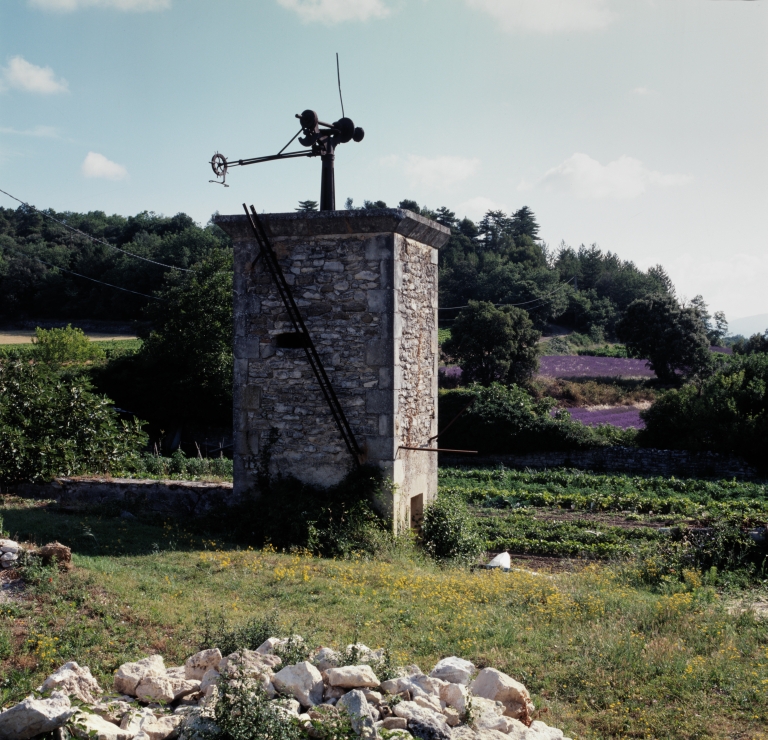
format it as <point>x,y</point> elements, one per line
<point>327,185</point>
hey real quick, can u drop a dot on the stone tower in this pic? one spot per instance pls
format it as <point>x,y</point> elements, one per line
<point>366,285</point>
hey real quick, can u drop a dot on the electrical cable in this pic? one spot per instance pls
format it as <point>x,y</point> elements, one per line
<point>93,238</point>
<point>542,299</point>
<point>77,274</point>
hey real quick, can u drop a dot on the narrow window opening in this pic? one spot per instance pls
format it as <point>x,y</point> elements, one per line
<point>291,340</point>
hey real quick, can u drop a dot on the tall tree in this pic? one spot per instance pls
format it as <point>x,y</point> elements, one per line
<point>673,338</point>
<point>494,344</point>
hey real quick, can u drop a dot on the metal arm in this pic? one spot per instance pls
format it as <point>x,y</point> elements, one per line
<point>321,142</point>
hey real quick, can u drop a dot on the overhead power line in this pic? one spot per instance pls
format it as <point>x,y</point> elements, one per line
<point>85,277</point>
<point>540,299</point>
<point>93,238</point>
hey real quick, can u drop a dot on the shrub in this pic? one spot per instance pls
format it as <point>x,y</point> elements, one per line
<point>53,426</point>
<point>244,712</point>
<point>246,636</point>
<point>332,522</point>
<point>727,413</point>
<point>57,346</point>
<point>510,420</point>
<point>449,531</point>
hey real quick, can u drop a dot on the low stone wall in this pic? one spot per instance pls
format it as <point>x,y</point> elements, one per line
<point>161,497</point>
<point>636,460</point>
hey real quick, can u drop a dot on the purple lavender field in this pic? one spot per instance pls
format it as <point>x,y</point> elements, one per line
<point>624,417</point>
<point>584,366</point>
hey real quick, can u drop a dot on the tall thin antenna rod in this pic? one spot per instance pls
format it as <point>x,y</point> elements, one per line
<point>338,76</point>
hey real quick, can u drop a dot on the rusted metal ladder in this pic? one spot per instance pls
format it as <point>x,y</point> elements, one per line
<point>270,259</point>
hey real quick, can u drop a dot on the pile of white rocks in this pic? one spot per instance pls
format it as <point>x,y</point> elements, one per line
<point>153,702</point>
<point>9,553</point>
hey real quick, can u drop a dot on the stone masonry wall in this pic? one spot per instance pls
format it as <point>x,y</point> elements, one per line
<point>366,284</point>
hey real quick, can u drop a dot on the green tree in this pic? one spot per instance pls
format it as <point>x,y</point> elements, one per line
<point>523,223</point>
<point>57,426</point>
<point>307,205</point>
<point>493,344</point>
<point>726,413</point>
<point>671,337</point>
<point>756,343</point>
<point>183,373</point>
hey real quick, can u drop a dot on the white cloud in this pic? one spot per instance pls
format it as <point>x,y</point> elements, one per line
<point>97,165</point>
<point>644,91</point>
<point>547,16</point>
<point>46,132</point>
<point>435,172</point>
<point>67,6</point>
<point>336,11</point>
<point>24,75</point>
<point>623,178</point>
<point>476,208</point>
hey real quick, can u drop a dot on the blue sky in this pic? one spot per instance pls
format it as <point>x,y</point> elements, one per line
<point>636,124</point>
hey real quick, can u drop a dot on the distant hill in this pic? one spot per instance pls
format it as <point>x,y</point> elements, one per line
<point>749,325</point>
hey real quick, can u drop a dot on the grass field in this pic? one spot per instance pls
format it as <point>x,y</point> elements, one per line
<point>603,654</point>
<point>110,345</point>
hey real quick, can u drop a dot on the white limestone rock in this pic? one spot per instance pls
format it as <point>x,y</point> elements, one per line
<point>452,717</point>
<point>303,681</point>
<point>353,677</point>
<point>132,720</point>
<point>429,702</point>
<point>129,675</point>
<point>113,710</point>
<point>325,658</point>
<point>541,731</point>
<point>248,663</point>
<point>196,665</point>
<point>489,715</point>
<point>161,728</point>
<point>454,670</point>
<point>91,726</point>
<point>210,678</point>
<point>418,684</point>
<point>454,695</point>
<point>35,716</point>
<point>183,687</point>
<point>74,680</point>
<point>498,686</point>
<point>176,672</point>
<point>155,689</point>
<point>395,723</point>
<point>356,706</point>
<point>410,710</point>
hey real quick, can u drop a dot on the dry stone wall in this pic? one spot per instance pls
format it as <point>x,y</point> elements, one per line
<point>633,460</point>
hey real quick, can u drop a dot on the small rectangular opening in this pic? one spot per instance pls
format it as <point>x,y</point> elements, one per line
<point>417,512</point>
<point>291,340</point>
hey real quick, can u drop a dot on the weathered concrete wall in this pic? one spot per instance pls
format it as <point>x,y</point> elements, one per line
<point>632,460</point>
<point>161,497</point>
<point>366,284</point>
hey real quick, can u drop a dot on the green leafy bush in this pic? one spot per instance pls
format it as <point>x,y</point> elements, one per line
<point>216,633</point>
<point>726,413</point>
<point>244,712</point>
<point>506,420</point>
<point>56,426</point>
<point>333,522</point>
<point>55,347</point>
<point>449,531</point>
